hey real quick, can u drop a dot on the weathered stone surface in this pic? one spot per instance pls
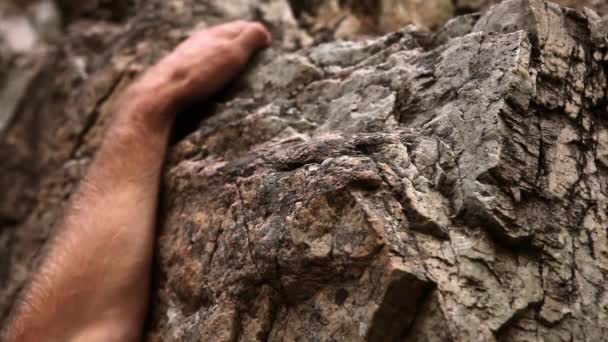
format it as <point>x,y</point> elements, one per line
<point>353,19</point>
<point>409,187</point>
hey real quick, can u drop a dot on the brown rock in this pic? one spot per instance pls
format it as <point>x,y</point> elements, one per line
<point>416,186</point>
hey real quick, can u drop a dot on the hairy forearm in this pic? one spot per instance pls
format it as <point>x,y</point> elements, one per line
<point>93,283</point>
<point>96,273</point>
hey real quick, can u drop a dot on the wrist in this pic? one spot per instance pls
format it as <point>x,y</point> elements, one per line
<point>152,106</point>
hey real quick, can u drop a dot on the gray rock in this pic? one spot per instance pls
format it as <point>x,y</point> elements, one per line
<point>414,186</point>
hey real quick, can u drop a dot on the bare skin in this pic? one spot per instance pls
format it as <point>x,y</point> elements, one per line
<point>93,285</point>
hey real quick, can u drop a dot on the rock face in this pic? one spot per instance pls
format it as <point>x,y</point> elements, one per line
<point>352,19</point>
<point>411,187</point>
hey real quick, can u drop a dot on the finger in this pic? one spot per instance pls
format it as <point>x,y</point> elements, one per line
<point>229,30</point>
<point>254,36</point>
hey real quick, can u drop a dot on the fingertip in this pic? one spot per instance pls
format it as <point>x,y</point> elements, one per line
<point>256,36</point>
<point>268,37</point>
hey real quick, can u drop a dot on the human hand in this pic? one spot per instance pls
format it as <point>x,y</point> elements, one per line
<point>203,64</point>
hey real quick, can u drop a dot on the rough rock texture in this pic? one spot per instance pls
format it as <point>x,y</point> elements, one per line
<point>411,187</point>
<point>353,19</point>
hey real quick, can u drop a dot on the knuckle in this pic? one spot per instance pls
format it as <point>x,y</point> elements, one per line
<point>239,22</point>
<point>224,48</point>
<point>231,53</point>
<point>197,35</point>
<point>180,74</point>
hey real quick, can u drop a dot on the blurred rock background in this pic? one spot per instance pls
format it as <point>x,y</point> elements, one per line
<point>27,29</point>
